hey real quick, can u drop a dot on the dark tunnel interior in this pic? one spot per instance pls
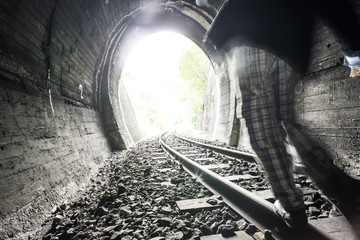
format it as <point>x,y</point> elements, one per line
<point>60,113</point>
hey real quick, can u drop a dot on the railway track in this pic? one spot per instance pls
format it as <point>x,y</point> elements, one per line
<point>238,178</point>
<point>145,194</point>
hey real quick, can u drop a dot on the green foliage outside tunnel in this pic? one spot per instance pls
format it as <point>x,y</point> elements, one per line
<point>194,68</point>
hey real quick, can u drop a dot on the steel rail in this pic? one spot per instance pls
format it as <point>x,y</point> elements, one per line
<point>253,208</point>
<point>228,152</point>
<point>298,168</point>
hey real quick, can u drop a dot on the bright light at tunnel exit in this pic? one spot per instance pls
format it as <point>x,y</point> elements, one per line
<point>152,80</point>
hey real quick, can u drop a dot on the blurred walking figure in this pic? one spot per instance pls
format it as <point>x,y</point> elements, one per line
<point>267,43</point>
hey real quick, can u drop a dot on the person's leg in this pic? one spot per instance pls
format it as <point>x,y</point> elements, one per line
<point>258,71</point>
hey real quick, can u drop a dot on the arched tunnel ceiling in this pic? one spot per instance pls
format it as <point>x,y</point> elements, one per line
<point>179,16</point>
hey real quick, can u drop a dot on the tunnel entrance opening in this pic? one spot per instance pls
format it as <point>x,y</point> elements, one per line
<point>118,118</point>
<point>165,78</point>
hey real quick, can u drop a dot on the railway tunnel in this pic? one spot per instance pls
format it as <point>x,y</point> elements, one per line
<point>61,116</point>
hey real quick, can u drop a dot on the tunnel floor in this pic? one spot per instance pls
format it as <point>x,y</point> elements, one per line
<point>134,198</point>
<point>135,195</point>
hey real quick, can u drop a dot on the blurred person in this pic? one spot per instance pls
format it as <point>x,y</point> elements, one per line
<point>267,44</point>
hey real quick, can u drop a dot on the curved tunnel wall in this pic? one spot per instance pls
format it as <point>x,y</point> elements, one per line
<point>59,110</point>
<point>52,140</point>
<point>60,114</point>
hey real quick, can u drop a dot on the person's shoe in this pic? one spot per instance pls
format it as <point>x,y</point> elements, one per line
<point>293,219</point>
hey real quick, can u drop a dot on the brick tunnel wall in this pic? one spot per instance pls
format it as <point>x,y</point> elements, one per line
<point>51,138</point>
<point>328,102</point>
<point>52,132</point>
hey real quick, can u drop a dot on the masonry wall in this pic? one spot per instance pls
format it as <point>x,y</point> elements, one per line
<point>46,156</point>
<point>51,137</point>
<point>328,102</point>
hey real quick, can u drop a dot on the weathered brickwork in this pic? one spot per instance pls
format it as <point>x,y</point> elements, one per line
<point>51,137</point>
<point>52,134</point>
<point>328,102</point>
<point>45,154</point>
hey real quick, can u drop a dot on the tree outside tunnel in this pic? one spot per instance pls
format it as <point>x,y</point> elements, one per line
<point>165,77</point>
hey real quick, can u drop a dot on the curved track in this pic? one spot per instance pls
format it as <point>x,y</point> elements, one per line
<point>253,208</point>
